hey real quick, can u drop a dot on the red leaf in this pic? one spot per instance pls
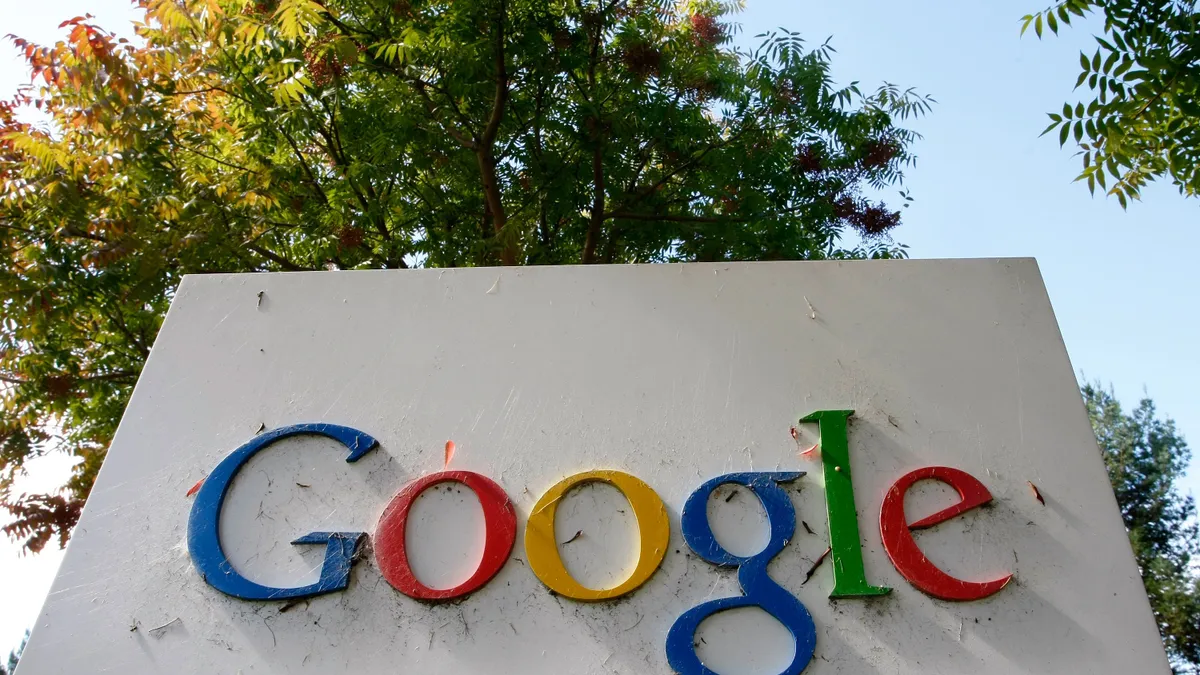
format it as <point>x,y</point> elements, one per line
<point>195,488</point>
<point>1037,494</point>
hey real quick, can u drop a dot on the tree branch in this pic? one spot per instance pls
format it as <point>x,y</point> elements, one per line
<point>500,99</point>
<point>625,215</point>
<point>278,259</point>
<point>485,149</point>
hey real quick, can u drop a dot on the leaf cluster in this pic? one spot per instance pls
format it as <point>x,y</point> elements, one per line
<point>1143,120</point>
<point>1146,457</point>
<point>14,656</point>
<point>259,135</point>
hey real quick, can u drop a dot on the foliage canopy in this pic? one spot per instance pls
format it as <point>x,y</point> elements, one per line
<point>240,135</point>
<point>1146,457</point>
<point>14,656</point>
<point>1143,122</point>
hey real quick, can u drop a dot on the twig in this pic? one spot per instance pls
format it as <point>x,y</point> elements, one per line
<point>813,570</point>
<point>159,630</point>
<point>290,604</point>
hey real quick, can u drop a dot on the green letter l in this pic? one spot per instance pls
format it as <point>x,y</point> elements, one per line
<point>849,577</point>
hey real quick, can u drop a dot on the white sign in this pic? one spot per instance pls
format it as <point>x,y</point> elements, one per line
<point>624,444</point>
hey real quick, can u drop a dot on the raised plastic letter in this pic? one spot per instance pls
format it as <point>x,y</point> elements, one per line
<point>204,541</point>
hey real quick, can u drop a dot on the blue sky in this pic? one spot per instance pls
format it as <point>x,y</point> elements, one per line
<point>1123,283</point>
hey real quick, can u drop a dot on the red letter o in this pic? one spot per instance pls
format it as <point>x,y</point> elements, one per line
<point>500,531</point>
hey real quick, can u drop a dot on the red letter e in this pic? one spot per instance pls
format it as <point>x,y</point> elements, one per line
<point>903,550</point>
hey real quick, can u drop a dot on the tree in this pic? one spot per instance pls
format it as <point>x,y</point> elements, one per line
<point>1146,457</point>
<point>14,656</point>
<point>341,134</point>
<point>1144,120</point>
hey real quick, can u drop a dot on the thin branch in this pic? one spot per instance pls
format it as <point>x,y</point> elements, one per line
<point>119,375</point>
<point>179,144</point>
<point>625,215</point>
<point>431,108</point>
<point>500,99</point>
<point>278,259</point>
<point>634,199</point>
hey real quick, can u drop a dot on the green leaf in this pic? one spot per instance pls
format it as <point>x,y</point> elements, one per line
<point>347,51</point>
<point>1025,21</point>
<point>1063,134</point>
<point>1037,25</point>
<point>1052,22</point>
<point>1084,63</point>
<point>1108,62</point>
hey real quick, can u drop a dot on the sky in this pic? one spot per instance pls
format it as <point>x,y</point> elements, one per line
<point>1123,283</point>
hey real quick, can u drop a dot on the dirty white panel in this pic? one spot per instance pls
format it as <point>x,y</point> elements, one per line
<point>675,374</point>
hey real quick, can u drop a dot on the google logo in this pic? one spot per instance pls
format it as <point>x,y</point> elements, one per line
<point>542,552</point>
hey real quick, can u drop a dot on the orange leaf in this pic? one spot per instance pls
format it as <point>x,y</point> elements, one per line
<point>196,488</point>
<point>449,452</point>
<point>1037,494</point>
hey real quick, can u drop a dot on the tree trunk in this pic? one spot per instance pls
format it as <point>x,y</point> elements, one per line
<point>593,233</point>
<point>491,192</point>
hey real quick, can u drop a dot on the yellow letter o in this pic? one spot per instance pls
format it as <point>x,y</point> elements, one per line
<point>541,546</point>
